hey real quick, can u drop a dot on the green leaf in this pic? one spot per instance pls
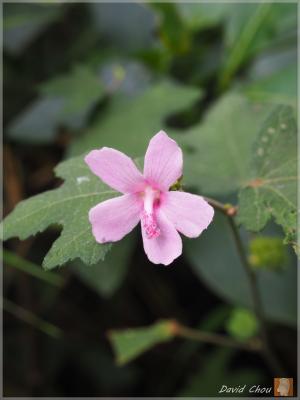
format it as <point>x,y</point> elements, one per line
<point>279,87</point>
<point>242,324</point>
<point>18,15</point>
<point>106,276</point>
<point>246,23</point>
<point>252,28</point>
<point>218,150</point>
<point>272,191</point>
<point>215,261</point>
<point>79,88</point>
<point>130,343</point>
<point>127,27</point>
<point>67,206</point>
<point>39,122</point>
<point>202,15</point>
<point>175,38</point>
<point>267,252</point>
<point>24,22</point>
<point>129,124</point>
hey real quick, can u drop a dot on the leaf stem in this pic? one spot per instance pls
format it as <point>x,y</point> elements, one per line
<point>30,318</point>
<point>269,355</point>
<point>32,269</point>
<point>241,46</point>
<point>214,338</point>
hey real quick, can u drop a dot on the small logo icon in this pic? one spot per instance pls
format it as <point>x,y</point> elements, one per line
<point>283,387</point>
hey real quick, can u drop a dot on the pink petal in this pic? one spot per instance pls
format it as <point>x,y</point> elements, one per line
<point>189,213</point>
<point>163,161</point>
<point>114,218</point>
<point>115,169</point>
<point>167,246</point>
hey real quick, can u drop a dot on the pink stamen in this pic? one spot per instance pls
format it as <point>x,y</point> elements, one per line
<point>148,217</point>
<point>151,228</point>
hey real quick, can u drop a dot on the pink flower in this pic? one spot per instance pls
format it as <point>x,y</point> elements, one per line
<point>147,198</point>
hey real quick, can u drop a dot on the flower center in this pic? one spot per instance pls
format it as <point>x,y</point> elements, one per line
<point>151,198</point>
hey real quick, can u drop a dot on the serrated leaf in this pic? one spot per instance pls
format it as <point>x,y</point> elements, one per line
<point>129,124</point>
<point>68,207</point>
<point>80,88</point>
<point>218,150</point>
<point>272,191</point>
<point>215,261</point>
<point>130,343</point>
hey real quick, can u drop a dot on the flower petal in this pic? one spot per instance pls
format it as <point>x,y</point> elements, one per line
<point>163,161</point>
<point>114,218</point>
<point>167,246</point>
<point>189,213</point>
<point>115,169</point>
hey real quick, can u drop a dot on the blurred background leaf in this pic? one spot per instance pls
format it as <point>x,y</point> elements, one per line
<point>223,141</point>
<point>106,276</point>
<point>129,124</point>
<point>252,28</point>
<point>127,26</point>
<point>79,88</point>
<point>40,122</point>
<point>279,87</point>
<point>70,100</point>
<point>23,23</point>
<point>242,324</point>
<point>200,16</point>
<point>130,343</point>
<point>267,252</point>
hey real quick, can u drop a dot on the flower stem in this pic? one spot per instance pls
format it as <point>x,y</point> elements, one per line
<point>269,356</point>
<point>227,209</point>
<point>214,338</point>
